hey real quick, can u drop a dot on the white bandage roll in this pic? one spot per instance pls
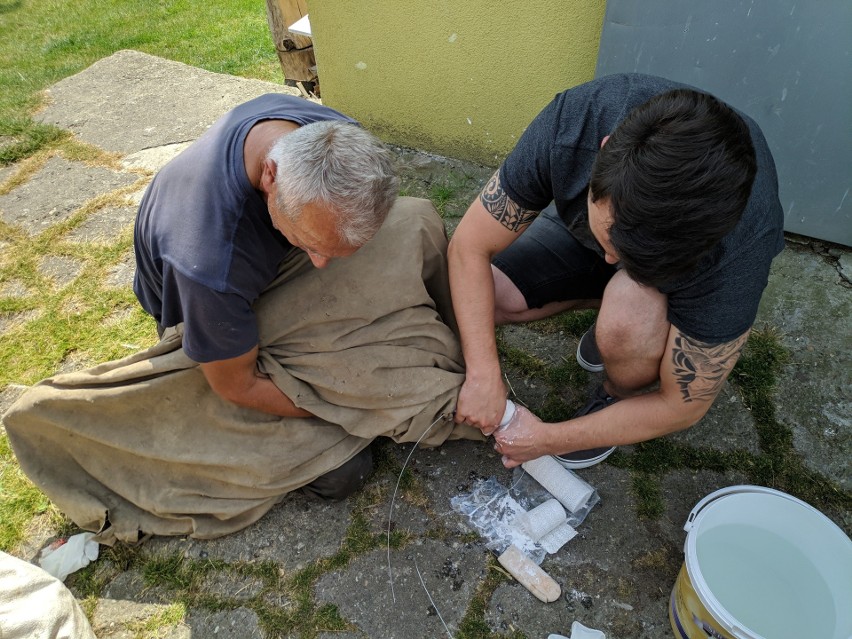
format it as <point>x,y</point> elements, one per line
<point>542,519</point>
<point>558,537</point>
<point>571,491</point>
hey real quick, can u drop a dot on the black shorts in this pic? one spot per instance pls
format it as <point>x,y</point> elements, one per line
<point>548,264</point>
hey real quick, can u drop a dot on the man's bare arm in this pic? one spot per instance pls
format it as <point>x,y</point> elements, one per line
<point>700,369</point>
<point>501,207</point>
<point>492,222</point>
<point>238,380</point>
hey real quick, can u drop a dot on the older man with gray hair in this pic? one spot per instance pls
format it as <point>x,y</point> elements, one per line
<point>274,175</point>
<point>278,363</point>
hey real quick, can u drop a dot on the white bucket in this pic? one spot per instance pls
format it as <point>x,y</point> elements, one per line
<point>761,564</point>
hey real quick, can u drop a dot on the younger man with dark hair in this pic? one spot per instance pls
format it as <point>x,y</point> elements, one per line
<point>664,215</point>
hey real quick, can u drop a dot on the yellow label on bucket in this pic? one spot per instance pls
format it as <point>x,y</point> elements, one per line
<point>688,616</point>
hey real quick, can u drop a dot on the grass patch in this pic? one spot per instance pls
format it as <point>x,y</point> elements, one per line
<point>649,499</point>
<point>473,624</point>
<point>572,323</point>
<point>20,138</point>
<point>56,39</point>
<point>451,191</point>
<point>20,500</point>
<point>158,625</point>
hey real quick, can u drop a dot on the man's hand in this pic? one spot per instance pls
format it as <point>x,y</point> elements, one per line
<point>239,381</point>
<point>482,402</point>
<point>526,437</point>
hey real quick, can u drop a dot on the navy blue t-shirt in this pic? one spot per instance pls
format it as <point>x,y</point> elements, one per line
<point>553,161</point>
<point>204,240</point>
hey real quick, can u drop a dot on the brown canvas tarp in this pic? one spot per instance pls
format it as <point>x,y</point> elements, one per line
<point>143,446</point>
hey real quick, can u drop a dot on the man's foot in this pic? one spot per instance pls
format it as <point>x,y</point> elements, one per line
<point>588,355</point>
<point>585,458</point>
<point>338,484</point>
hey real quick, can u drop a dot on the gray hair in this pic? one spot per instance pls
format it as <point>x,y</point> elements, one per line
<point>340,166</point>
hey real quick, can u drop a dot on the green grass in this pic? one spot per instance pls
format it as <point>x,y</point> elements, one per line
<point>20,501</point>
<point>42,42</point>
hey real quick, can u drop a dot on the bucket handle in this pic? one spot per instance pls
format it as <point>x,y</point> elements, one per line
<point>731,490</point>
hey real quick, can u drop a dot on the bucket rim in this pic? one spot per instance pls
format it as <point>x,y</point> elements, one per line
<point>713,605</point>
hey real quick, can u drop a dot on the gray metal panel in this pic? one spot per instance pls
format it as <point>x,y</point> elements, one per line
<point>785,63</point>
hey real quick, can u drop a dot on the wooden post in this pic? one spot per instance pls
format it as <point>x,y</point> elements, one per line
<point>295,52</point>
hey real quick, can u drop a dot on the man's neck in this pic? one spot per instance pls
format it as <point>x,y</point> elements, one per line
<point>259,141</point>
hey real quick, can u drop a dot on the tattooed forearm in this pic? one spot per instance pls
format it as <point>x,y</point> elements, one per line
<point>701,368</point>
<point>502,208</point>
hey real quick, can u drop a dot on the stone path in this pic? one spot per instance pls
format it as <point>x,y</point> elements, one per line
<point>316,569</point>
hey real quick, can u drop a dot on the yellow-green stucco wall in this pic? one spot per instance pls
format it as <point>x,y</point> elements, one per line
<point>460,78</point>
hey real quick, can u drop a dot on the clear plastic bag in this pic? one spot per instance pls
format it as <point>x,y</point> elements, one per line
<point>491,511</point>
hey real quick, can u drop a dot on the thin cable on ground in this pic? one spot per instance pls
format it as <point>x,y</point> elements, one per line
<point>431,601</point>
<point>393,499</point>
<point>390,518</point>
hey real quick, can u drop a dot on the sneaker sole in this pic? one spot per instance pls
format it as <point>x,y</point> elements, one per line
<point>592,368</point>
<point>584,463</point>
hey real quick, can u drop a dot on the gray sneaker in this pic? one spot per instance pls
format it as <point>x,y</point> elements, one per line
<point>585,458</point>
<point>588,355</point>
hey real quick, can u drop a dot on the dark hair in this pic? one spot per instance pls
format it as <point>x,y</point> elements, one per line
<point>678,173</point>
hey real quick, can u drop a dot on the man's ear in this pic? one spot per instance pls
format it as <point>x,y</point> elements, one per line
<point>267,175</point>
<point>606,137</point>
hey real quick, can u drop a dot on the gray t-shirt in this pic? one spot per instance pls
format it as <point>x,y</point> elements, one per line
<point>553,161</point>
<point>204,240</point>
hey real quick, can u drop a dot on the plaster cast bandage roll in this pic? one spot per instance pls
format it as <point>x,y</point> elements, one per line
<point>571,491</point>
<point>542,519</point>
<point>558,537</point>
<point>508,414</point>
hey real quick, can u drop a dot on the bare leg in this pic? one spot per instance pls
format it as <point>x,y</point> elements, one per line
<point>631,334</point>
<point>510,307</point>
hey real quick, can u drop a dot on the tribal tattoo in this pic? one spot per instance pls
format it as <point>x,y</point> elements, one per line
<point>702,368</point>
<point>502,208</point>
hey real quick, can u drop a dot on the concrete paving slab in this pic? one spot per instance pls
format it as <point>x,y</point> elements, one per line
<point>240,623</point>
<point>8,396</point>
<point>844,266</point>
<point>12,320</point>
<point>167,102</point>
<point>294,533</point>
<point>683,490</point>
<point>119,619</point>
<point>154,159</point>
<point>454,184</point>
<point>121,275</point>
<point>55,192</point>
<point>5,172</point>
<point>727,426</point>
<point>363,596</point>
<point>14,288</point>
<point>60,269</point>
<point>126,603</point>
<point>811,304</point>
<point>104,226</point>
